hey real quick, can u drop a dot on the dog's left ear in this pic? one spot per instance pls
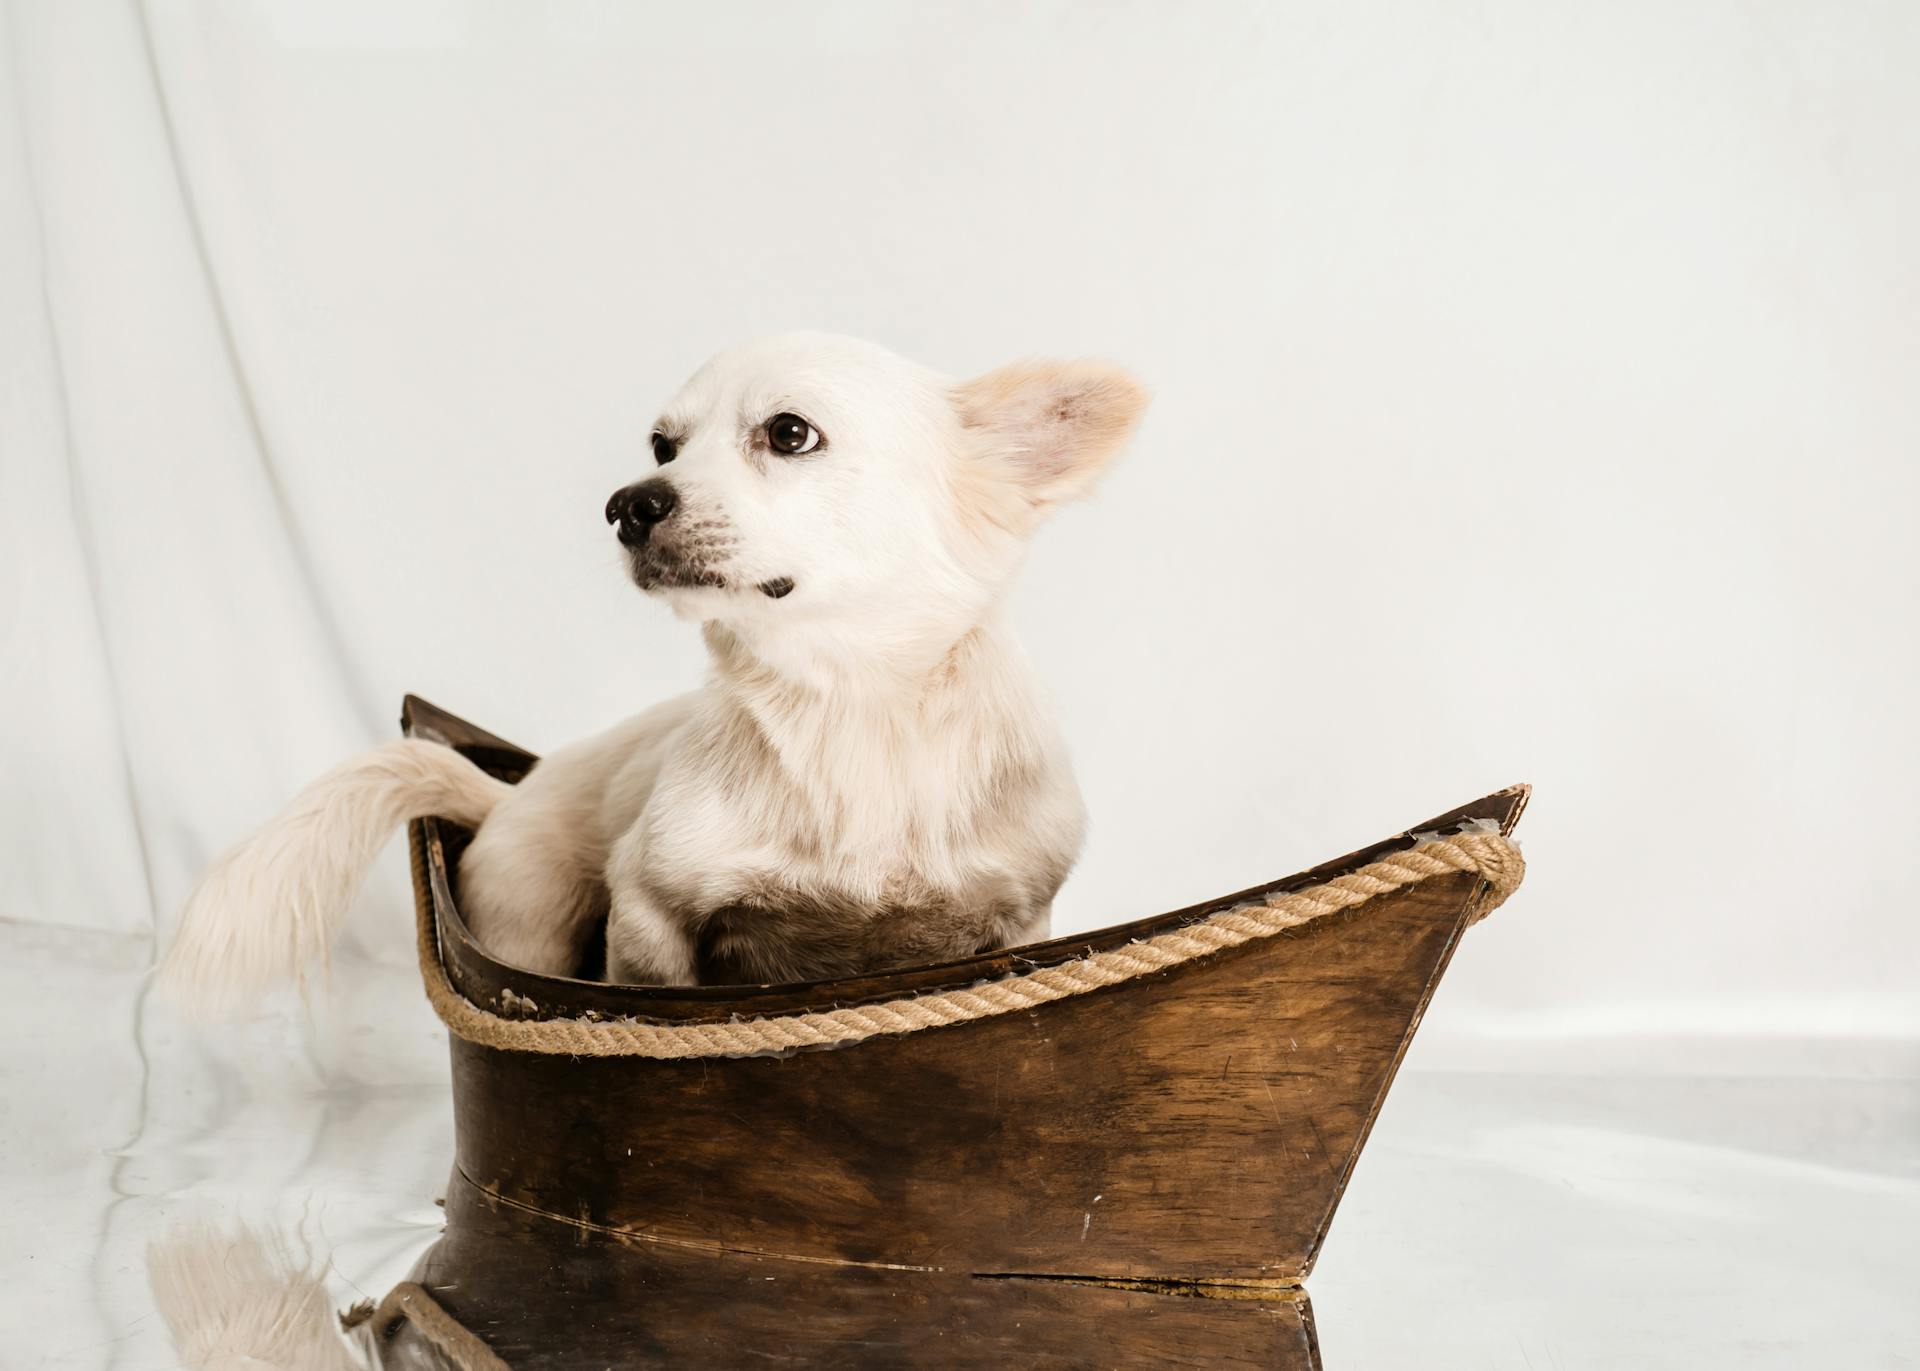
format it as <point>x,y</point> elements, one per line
<point>1052,427</point>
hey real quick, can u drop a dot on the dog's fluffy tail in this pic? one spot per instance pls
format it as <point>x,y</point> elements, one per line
<point>268,909</point>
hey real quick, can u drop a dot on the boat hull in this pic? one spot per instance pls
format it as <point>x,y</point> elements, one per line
<point>1161,1153</point>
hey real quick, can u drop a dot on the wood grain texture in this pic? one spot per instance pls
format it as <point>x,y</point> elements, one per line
<point>1196,1124</point>
<point>550,1295</point>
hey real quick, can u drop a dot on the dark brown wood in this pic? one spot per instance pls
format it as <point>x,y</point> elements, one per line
<point>1195,1126</point>
<point>547,1295</point>
<point>1198,1124</point>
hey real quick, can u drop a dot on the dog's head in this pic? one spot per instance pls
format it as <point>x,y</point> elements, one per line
<point>818,482</point>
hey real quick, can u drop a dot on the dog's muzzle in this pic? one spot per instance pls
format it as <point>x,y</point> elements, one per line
<point>636,509</point>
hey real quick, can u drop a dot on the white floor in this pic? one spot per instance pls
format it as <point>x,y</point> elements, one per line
<point>1546,1221</point>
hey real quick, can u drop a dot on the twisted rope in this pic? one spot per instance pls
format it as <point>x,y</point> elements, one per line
<point>451,1338</point>
<point>1486,854</point>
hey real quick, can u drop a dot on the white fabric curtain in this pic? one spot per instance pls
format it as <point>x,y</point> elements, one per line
<point>174,657</point>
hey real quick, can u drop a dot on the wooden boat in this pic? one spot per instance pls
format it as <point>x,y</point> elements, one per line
<point>1137,1176</point>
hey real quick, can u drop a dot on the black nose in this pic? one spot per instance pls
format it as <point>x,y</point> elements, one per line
<point>638,508</point>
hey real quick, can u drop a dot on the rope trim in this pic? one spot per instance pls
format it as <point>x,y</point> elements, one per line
<point>1488,855</point>
<point>451,1338</point>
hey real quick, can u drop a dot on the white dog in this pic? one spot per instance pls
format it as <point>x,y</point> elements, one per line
<point>869,779</point>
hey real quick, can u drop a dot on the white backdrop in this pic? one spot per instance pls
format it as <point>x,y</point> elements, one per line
<point>1536,400</point>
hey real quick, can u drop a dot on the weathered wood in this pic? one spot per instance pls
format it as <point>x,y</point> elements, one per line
<point>545,1294</point>
<point>1197,1125</point>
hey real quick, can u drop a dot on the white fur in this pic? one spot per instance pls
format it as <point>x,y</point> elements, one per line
<point>872,742</point>
<point>268,908</point>
<point>235,1302</point>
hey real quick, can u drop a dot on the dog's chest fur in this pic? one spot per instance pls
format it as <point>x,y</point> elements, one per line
<point>795,846</point>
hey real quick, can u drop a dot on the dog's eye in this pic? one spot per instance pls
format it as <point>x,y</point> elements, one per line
<point>791,434</point>
<point>664,449</point>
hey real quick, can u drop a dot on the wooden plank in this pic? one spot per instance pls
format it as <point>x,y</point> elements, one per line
<point>1200,1123</point>
<point>556,1296</point>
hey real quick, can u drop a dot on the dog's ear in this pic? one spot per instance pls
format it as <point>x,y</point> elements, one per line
<point>1052,427</point>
